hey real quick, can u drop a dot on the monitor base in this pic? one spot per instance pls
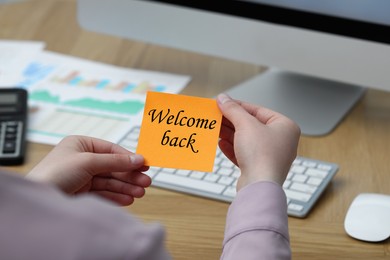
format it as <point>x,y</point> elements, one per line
<point>316,105</point>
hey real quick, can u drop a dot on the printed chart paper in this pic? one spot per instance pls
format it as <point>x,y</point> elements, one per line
<point>14,57</point>
<point>179,131</point>
<point>69,96</point>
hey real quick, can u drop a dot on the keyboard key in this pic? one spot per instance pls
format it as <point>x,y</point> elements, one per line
<point>168,170</point>
<point>189,183</point>
<point>212,177</point>
<point>314,181</point>
<point>225,171</point>
<point>197,175</point>
<point>236,173</point>
<point>297,161</point>
<point>296,195</point>
<point>218,161</point>
<point>227,164</point>
<point>295,207</point>
<point>298,169</point>
<point>183,172</point>
<point>299,178</point>
<point>309,164</point>
<point>226,180</point>
<point>230,192</point>
<point>325,167</point>
<point>303,187</point>
<point>316,173</point>
<point>286,184</point>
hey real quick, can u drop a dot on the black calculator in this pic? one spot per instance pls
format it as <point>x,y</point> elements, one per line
<point>13,124</point>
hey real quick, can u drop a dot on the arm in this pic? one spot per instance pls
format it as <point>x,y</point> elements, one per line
<point>41,222</point>
<point>263,144</point>
<point>256,224</point>
<point>84,164</point>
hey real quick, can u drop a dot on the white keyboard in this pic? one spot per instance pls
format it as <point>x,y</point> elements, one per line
<point>304,184</point>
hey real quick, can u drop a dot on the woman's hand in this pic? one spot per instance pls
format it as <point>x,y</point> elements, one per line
<point>85,164</point>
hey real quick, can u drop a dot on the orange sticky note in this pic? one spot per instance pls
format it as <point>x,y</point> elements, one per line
<point>179,131</point>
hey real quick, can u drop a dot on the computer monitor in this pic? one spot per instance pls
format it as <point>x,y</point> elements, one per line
<point>322,55</point>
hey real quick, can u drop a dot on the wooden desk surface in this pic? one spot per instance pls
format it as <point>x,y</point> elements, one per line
<point>360,145</point>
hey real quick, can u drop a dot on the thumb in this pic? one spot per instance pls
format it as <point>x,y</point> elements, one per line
<point>231,109</point>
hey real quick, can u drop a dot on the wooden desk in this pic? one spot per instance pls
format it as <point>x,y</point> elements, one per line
<point>360,145</point>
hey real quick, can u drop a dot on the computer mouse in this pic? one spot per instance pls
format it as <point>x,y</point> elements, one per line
<point>368,217</point>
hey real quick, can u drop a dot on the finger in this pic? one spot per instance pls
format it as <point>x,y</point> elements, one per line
<point>227,123</point>
<point>121,199</point>
<point>227,133</point>
<point>269,117</point>
<point>228,150</point>
<point>116,186</point>
<point>136,178</point>
<point>144,168</point>
<point>235,109</point>
<point>264,115</point>
<point>101,163</point>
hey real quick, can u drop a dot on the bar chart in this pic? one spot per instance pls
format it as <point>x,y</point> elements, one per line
<point>78,96</point>
<point>76,78</point>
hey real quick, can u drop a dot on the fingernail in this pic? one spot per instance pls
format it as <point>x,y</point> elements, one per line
<point>222,98</point>
<point>136,158</point>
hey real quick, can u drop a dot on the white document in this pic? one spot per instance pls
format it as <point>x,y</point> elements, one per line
<point>14,57</point>
<point>69,95</point>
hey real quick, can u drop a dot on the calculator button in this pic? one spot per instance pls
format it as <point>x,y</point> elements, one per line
<point>11,129</point>
<point>12,123</point>
<point>9,147</point>
<point>10,136</point>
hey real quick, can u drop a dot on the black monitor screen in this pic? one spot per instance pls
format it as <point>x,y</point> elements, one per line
<point>368,20</point>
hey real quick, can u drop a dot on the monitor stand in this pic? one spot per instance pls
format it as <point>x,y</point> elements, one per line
<point>316,105</point>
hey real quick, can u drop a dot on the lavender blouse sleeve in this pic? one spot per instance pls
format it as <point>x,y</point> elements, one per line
<point>257,224</point>
<point>39,222</point>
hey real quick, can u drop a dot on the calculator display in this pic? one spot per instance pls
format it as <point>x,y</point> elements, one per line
<point>8,98</point>
<point>11,101</point>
